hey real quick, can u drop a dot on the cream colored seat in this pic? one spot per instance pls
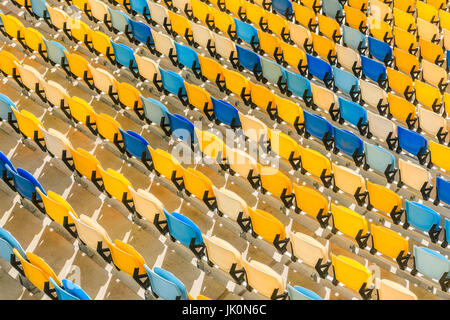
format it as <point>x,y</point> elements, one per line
<point>350,182</point>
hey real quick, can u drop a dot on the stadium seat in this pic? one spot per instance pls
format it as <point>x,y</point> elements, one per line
<point>318,127</point>
<point>300,293</point>
<point>432,264</point>
<point>286,147</point>
<point>142,33</point>
<point>404,20</point>
<point>316,164</point>
<point>265,280</point>
<point>225,256</point>
<point>310,251</point>
<point>148,206</point>
<point>278,184</point>
<point>6,106</point>
<point>428,31</point>
<point>380,160</point>
<point>101,43</point>
<point>439,155</point>
<point>427,12</point>
<point>117,186</point>
<point>382,128</point>
<point>380,50</point>
<point>28,125</point>
<point>349,144</point>
<point>349,59</point>
<point>298,85</point>
<point>247,33</point>
<point>422,218</point>
<point>432,52</point>
<point>374,96</point>
<point>283,7</point>
<point>350,182</point>
<point>402,110</point>
<point>6,166</point>
<point>324,47</point>
<point>125,57</point>
<point>301,36</point>
<point>413,143</point>
<point>384,200</point>
<point>320,69</point>
<point>87,165</point>
<point>326,100</point>
<point>353,275</point>
<point>166,285</point>
<point>68,290</point>
<point>278,25</point>
<point>415,177</point>
<point>408,6</point>
<point>442,191</point>
<point>55,52</point>
<point>198,184</point>
<point>119,20</point>
<point>390,290</point>
<point>354,39</point>
<point>58,17</point>
<point>434,75</point>
<point>390,244</point>
<point>330,27</point>
<point>374,70</point>
<point>350,223</point>
<point>433,124</point>
<point>305,16</point>
<point>7,244</point>
<point>400,83</point>
<point>354,114</point>
<point>311,202</point>
<point>296,57</point>
<point>188,57</point>
<point>347,83</point>
<point>355,18</point>
<point>380,30</point>
<point>405,41</point>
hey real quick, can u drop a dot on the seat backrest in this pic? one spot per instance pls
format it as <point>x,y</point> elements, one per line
<point>315,163</point>
<point>25,183</point>
<point>9,243</point>
<point>89,231</point>
<point>413,175</point>
<point>134,143</point>
<point>158,12</point>
<point>353,38</point>
<point>146,204</point>
<point>60,292</point>
<point>74,290</point>
<point>309,200</point>
<point>347,142</point>
<point>56,142</point>
<point>348,221</point>
<point>230,203</point>
<point>165,284</point>
<point>6,106</point>
<point>154,110</point>
<point>378,158</point>
<point>319,68</point>
<point>431,263</point>
<point>400,108</point>
<point>183,229</point>
<point>431,122</point>
<point>323,97</point>
<point>115,183</point>
<point>125,257</point>
<point>390,290</point>
<point>108,127</point>
<point>344,80</point>
<point>263,278</point>
<point>388,242</point>
<point>248,59</point>
<point>380,127</point>
<point>440,155</point>
<point>300,293</point>
<point>187,56</point>
<point>124,55</point>
<point>85,163</point>
<point>298,84</point>
<point>350,272</point>
<point>308,249</point>
<point>246,32</point>
<point>225,112</point>
<point>141,31</point>
<point>56,207</point>
<point>317,125</point>
<point>421,217</point>
<point>373,69</point>
<point>182,128</point>
<point>266,225</point>
<point>383,199</point>
<point>197,183</point>
<point>443,190</point>
<point>222,253</point>
<point>411,141</point>
<point>348,180</point>
<point>172,82</point>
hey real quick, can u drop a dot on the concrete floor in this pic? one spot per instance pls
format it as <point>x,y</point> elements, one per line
<point>37,234</point>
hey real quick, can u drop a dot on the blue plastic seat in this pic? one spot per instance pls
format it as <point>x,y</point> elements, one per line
<point>431,263</point>
<point>320,69</point>
<point>173,82</point>
<point>353,113</point>
<point>226,113</point>
<point>333,9</point>
<point>182,128</point>
<point>447,230</point>
<point>154,111</point>
<point>247,33</point>
<point>421,217</point>
<point>140,6</point>
<point>188,57</point>
<point>60,292</point>
<point>380,50</point>
<point>283,7</point>
<point>141,32</point>
<point>11,243</point>
<point>346,82</point>
<point>125,56</point>
<point>271,70</point>
<point>38,7</point>
<point>354,39</point>
<point>119,20</point>
<point>381,160</point>
<point>165,285</point>
<point>135,144</point>
<point>374,70</point>
<point>299,85</point>
<point>413,143</point>
<point>4,172</point>
<point>69,290</point>
<point>25,183</point>
<point>349,144</point>
<point>183,229</point>
<point>6,106</point>
<point>443,190</point>
<point>55,51</point>
<point>249,60</point>
<point>300,293</point>
<point>318,127</point>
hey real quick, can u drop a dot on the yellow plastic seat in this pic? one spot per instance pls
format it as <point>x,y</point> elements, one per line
<point>224,255</point>
<point>404,20</point>
<point>12,26</point>
<point>350,182</point>
<point>305,16</point>
<point>224,23</point>
<point>405,40</point>
<point>8,62</point>
<point>405,5</point>
<point>310,251</point>
<point>390,243</point>
<point>102,43</point>
<point>235,6</point>
<point>82,112</point>
<point>437,4</point>
<point>428,95</point>
<point>431,52</point>
<point>290,112</point>
<point>36,270</point>
<point>278,25</point>
<point>78,66</point>
<point>211,69</point>
<point>80,31</point>
<point>202,11</point>
<point>253,128</point>
<point>406,62</point>
<point>383,199</point>
<point>198,97</point>
<point>312,4</point>
<point>58,17</point>
<point>286,147</point>
<point>428,31</point>
<point>351,273</point>
<point>278,184</point>
<point>316,164</point>
<point>324,47</point>
<point>361,5</point>
<point>390,290</point>
<point>355,18</point>
<point>329,27</point>
<point>108,128</point>
<point>58,209</point>
<point>268,227</point>
<point>262,97</point>
<point>434,75</point>
<point>444,19</point>
<point>350,223</point>
<point>210,144</point>
<point>34,40</point>
<point>180,25</point>
<point>81,4</point>
<point>427,12</point>
<point>294,56</point>
<point>237,84</point>
<point>166,165</point>
<point>29,125</point>
<point>400,82</point>
<point>440,155</point>
<point>128,95</point>
<point>199,185</point>
<point>265,280</point>
<point>269,43</point>
<point>447,102</point>
<point>127,259</point>
<point>86,164</point>
<point>255,14</point>
<point>311,202</point>
<point>117,186</point>
<point>380,30</point>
